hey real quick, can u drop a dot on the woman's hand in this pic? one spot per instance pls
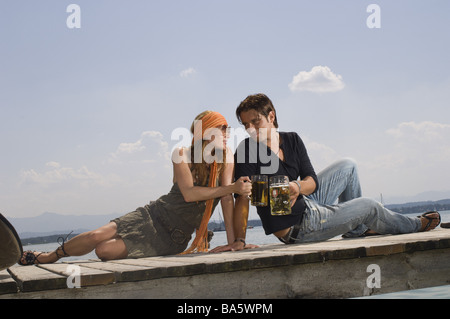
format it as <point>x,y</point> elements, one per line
<point>243,186</point>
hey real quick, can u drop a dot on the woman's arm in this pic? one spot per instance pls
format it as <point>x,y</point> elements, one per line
<point>227,201</point>
<point>240,219</point>
<point>192,193</point>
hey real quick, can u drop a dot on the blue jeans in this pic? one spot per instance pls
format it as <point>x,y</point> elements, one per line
<point>337,208</point>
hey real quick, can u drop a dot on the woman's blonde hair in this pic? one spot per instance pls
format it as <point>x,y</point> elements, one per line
<point>202,169</point>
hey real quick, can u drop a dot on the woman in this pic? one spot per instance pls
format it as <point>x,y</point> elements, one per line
<point>203,175</point>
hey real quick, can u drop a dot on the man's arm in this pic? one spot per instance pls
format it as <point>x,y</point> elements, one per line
<point>307,187</point>
<point>241,209</point>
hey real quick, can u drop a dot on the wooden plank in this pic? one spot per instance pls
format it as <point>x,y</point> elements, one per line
<point>7,283</point>
<point>385,250</point>
<point>262,258</point>
<point>223,262</point>
<point>88,276</point>
<point>123,272</point>
<point>164,268</point>
<point>214,263</point>
<point>33,278</point>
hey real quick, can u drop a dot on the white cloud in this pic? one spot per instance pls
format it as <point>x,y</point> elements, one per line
<point>129,148</point>
<point>188,72</point>
<point>319,80</point>
<point>58,175</point>
<point>53,164</point>
<point>150,143</point>
<point>424,131</point>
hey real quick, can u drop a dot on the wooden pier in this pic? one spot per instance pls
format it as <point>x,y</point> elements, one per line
<point>338,268</point>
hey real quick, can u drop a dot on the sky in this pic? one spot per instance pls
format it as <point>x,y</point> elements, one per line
<point>92,95</point>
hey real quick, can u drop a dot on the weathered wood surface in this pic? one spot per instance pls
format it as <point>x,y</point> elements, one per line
<point>334,268</point>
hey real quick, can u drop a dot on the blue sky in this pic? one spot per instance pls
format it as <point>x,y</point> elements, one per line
<point>87,113</point>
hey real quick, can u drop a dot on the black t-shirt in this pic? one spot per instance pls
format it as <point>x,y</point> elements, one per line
<point>252,158</point>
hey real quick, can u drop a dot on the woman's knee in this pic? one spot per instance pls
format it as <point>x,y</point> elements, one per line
<point>111,249</point>
<point>101,251</point>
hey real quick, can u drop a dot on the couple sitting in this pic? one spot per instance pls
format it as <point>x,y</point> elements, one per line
<point>323,205</point>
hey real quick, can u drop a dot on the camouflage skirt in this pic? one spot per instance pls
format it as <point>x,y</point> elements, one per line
<point>146,234</point>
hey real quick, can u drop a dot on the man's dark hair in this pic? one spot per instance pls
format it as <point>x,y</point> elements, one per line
<point>258,102</point>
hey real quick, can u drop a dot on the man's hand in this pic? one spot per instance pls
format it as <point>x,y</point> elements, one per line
<point>243,186</point>
<point>294,192</point>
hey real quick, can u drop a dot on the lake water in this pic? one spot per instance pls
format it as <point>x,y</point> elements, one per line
<point>257,236</point>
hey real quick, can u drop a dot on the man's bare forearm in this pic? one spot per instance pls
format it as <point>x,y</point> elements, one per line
<point>241,209</point>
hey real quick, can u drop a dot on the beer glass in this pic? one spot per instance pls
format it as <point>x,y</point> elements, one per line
<point>280,203</point>
<point>260,190</point>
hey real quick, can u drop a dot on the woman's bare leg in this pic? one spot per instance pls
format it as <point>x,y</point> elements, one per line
<point>111,249</point>
<point>81,244</point>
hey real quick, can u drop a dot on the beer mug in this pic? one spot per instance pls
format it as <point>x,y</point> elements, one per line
<point>260,190</point>
<point>280,202</point>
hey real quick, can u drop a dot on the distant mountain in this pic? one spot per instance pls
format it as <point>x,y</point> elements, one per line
<point>421,203</point>
<point>422,197</point>
<point>420,207</point>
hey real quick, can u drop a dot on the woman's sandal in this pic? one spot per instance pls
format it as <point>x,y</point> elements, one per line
<point>61,241</point>
<point>29,258</point>
<point>430,220</point>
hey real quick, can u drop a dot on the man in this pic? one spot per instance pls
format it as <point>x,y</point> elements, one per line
<point>315,215</point>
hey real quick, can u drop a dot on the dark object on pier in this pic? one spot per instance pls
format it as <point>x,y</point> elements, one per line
<point>10,245</point>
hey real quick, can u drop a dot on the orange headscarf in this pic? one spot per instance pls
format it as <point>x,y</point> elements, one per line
<point>200,243</point>
<point>210,120</point>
